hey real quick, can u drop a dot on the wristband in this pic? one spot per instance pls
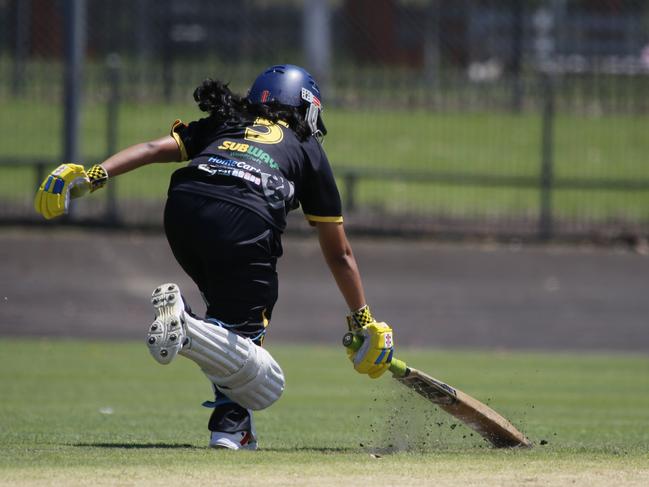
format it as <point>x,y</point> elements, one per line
<point>97,176</point>
<point>360,318</point>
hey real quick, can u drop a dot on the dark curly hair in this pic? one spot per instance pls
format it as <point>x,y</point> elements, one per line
<point>216,98</point>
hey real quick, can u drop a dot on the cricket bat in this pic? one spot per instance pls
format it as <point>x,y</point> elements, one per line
<point>476,415</point>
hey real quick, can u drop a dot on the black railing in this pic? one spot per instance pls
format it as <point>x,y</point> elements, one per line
<point>117,213</point>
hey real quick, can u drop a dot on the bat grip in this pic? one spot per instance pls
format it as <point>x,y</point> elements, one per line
<point>354,342</point>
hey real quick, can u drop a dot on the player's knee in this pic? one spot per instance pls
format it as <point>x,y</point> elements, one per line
<point>258,385</point>
<point>245,372</point>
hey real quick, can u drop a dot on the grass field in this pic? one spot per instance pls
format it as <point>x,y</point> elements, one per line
<point>606,147</point>
<point>104,413</point>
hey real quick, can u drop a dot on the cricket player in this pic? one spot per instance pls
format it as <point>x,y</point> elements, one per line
<point>251,160</point>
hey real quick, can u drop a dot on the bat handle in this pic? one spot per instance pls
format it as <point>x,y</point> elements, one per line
<point>354,342</point>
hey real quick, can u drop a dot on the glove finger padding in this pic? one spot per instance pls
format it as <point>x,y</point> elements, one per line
<point>40,205</point>
<point>53,196</point>
<point>56,203</point>
<point>375,354</point>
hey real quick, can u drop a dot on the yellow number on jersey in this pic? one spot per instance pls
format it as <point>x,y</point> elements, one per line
<point>265,132</point>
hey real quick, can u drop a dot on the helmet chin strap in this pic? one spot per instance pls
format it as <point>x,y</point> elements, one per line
<point>311,117</point>
<point>313,110</point>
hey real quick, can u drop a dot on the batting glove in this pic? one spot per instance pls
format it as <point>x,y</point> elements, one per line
<point>375,354</point>
<point>68,181</point>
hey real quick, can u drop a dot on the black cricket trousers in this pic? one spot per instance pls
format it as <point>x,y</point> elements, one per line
<point>230,253</point>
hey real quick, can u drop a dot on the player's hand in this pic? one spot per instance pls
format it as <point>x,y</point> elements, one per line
<point>375,354</point>
<point>68,181</point>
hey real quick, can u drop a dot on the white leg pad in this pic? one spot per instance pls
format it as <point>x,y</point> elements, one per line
<point>245,372</point>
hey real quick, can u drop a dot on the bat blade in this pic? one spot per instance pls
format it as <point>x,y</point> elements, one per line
<point>476,415</point>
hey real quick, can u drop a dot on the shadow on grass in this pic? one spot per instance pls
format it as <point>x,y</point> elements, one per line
<point>136,446</point>
<point>145,446</point>
<point>306,449</point>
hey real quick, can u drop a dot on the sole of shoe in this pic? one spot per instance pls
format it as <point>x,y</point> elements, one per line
<point>166,334</point>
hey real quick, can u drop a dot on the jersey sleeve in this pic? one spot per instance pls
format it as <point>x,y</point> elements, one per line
<point>320,198</point>
<point>192,138</point>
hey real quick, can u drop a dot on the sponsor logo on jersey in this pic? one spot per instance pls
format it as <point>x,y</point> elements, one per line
<point>214,170</point>
<point>278,191</point>
<point>254,152</point>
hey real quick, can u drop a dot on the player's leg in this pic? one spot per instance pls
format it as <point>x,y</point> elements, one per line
<point>231,425</point>
<point>246,372</point>
<point>218,244</point>
<point>235,366</point>
<point>244,300</point>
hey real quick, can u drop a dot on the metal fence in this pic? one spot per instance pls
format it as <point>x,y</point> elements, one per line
<point>467,117</point>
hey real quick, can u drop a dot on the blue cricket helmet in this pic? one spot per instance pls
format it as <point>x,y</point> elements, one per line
<point>293,86</point>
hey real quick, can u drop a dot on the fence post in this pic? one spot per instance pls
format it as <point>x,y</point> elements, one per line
<point>517,12</point>
<point>350,179</point>
<point>432,48</point>
<point>316,33</point>
<point>113,68</point>
<point>40,173</point>
<point>75,48</point>
<point>167,59</point>
<point>546,223</point>
<point>21,46</point>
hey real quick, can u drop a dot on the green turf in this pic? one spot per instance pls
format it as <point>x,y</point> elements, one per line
<point>376,141</point>
<point>88,412</point>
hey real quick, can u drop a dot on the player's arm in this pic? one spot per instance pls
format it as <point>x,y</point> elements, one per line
<point>375,354</point>
<point>339,257</point>
<point>69,181</point>
<point>164,149</point>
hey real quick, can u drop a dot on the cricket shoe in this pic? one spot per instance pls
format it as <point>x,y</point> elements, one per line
<point>166,334</point>
<point>231,425</point>
<point>241,440</point>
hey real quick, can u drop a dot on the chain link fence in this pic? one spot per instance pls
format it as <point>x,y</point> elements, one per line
<point>471,117</point>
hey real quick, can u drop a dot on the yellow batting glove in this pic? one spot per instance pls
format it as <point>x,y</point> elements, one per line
<point>375,355</point>
<point>68,181</point>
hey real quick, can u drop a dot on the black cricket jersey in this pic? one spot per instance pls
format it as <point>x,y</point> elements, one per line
<point>259,165</point>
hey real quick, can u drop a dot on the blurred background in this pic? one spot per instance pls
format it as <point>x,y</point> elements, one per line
<point>524,118</point>
<point>499,148</point>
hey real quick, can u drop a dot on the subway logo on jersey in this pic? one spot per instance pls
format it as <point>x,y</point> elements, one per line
<point>262,131</point>
<point>249,150</point>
